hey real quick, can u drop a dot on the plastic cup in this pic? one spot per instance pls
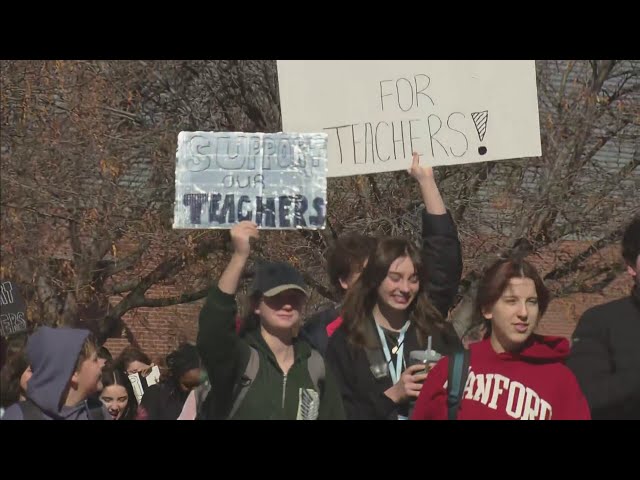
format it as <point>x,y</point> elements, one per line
<point>428,358</point>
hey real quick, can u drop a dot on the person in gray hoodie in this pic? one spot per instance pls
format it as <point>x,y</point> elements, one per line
<point>66,370</point>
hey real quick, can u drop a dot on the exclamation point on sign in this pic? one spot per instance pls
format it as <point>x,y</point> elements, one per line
<point>480,121</point>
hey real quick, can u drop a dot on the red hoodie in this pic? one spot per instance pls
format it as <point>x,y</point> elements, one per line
<point>533,384</point>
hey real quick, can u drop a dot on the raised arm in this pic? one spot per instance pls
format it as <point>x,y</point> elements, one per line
<point>440,243</point>
<point>223,353</point>
<point>430,194</point>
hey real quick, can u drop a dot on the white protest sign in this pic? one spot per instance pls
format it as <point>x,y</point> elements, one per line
<point>377,112</point>
<point>136,383</point>
<point>141,383</point>
<point>153,376</point>
<point>278,180</point>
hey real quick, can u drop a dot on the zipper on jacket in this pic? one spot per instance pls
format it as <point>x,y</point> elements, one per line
<point>284,388</point>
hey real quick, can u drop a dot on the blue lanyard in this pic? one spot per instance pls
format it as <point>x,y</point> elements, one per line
<point>397,370</point>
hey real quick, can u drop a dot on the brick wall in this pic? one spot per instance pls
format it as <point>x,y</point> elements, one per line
<point>158,330</point>
<point>563,314</point>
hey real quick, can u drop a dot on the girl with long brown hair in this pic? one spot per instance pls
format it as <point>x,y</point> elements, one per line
<point>390,311</point>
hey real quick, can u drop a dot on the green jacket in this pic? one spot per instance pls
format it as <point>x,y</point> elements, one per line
<point>272,395</point>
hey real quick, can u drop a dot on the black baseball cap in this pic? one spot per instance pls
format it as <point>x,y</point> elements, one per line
<point>273,278</point>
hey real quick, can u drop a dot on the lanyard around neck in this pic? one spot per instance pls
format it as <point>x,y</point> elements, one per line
<point>397,370</point>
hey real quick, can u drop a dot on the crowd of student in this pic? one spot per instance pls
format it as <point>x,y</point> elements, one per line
<point>354,359</point>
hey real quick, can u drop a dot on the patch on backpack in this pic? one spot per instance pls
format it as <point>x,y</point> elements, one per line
<point>308,404</point>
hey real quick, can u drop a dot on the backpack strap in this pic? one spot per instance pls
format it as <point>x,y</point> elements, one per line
<point>316,367</point>
<point>375,356</point>
<point>458,373</point>
<point>202,392</point>
<point>377,363</point>
<point>203,397</point>
<point>30,411</point>
<point>246,380</point>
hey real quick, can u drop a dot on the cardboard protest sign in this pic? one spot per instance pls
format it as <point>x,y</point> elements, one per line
<point>277,180</point>
<point>13,316</point>
<point>378,112</point>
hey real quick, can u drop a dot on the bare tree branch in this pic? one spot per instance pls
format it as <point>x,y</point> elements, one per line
<point>611,272</point>
<point>571,266</point>
<point>167,301</point>
<point>122,287</point>
<point>75,240</point>
<point>38,212</point>
<point>128,262</point>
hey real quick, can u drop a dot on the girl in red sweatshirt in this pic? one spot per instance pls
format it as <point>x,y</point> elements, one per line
<point>513,373</point>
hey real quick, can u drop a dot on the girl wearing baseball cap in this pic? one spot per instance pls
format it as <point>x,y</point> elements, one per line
<point>266,372</point>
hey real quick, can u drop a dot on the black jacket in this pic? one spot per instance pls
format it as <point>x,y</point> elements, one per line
<point>443,256</point>
<point>314,330</point>
<point>163,401</point>
<point>605,358</point>
<point>363,394</point>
